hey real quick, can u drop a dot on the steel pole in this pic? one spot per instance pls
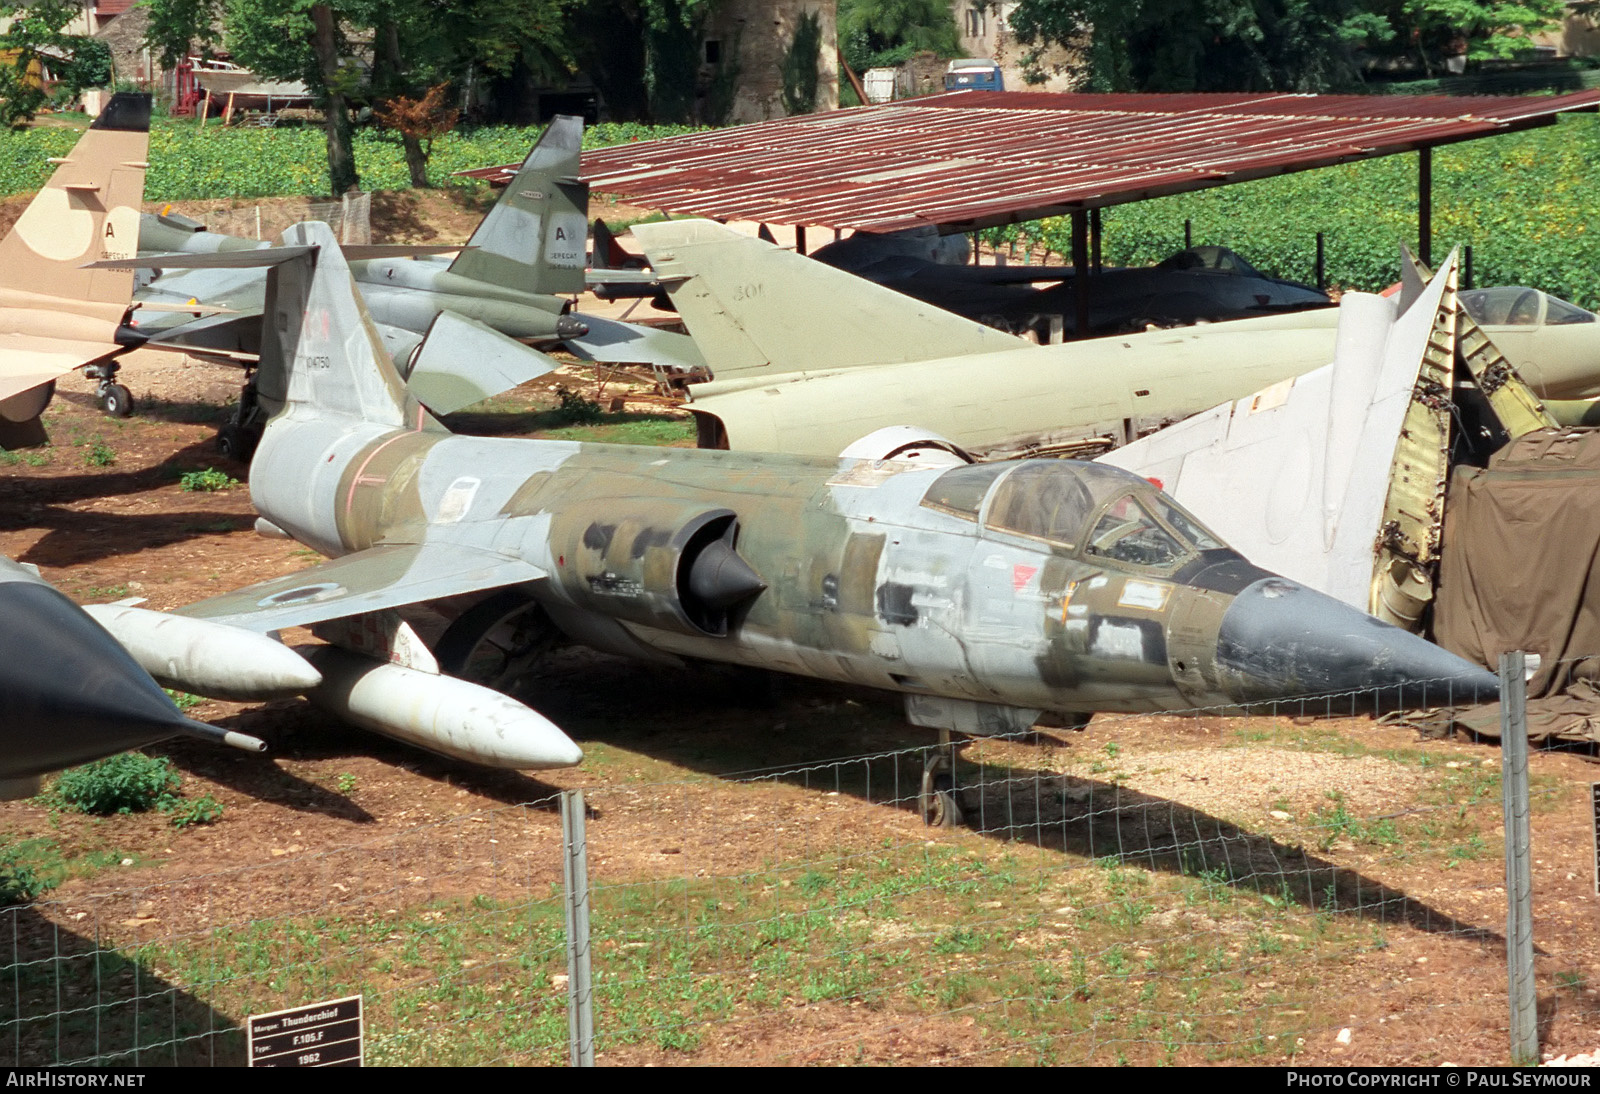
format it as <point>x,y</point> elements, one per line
<point>1519,877</point>
<point>575,873</point>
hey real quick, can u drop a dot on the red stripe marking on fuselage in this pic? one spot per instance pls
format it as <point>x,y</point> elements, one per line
<point>360,478</point>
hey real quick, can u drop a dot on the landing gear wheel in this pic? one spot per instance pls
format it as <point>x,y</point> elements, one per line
<point>940,804</point>
<point>115,400</point>
<point>237,442</point>
<point>941,807</point>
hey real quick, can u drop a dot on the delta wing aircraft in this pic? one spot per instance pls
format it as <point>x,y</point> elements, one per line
<point>780,385</point>
<point>56,316</point>
<point>1337,478</point>
<point>69,693</point>
<point>1196,284</point>
<point>982,594</point>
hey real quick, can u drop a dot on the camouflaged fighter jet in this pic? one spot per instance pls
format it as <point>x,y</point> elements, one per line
<point>69,693</point>
<point>516,275</point>
<point>56,316</point>
<point>783,382</point>
<point>983,594</point>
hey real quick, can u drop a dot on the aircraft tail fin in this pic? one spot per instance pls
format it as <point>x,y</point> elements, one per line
<point>88,211</point>
<point>534,239</point>
<point>320,353</point>
<point>756,309</point>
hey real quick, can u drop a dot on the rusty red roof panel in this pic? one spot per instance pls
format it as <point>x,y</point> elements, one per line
<point>976,158</point>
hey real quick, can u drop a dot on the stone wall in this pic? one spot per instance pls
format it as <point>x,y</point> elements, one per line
<point>759,34</point>
<point>986,32</point>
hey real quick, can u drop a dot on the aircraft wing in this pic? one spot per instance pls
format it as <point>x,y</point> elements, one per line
<point>28,360</point>
<point>616,343</point>
<point>386,576</point>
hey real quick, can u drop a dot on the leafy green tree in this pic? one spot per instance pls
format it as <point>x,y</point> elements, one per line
<point>1482,29</point>
<point>1269,45</point>
<point>414,45</point>
<point>887,32</point>
<point>1206,45</point>
<point>38,38</point>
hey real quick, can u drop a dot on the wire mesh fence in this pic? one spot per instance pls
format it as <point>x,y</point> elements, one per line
<point>1274,886</point>
<point>350,217</point>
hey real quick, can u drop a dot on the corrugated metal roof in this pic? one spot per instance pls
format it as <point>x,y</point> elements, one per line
<point>978,158</point>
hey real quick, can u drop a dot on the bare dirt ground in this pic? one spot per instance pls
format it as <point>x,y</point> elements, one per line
<point>349,823</point>
<point>309,820</point>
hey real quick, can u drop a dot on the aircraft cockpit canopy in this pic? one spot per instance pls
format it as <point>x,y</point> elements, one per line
<point>1520,306</point>
<point>1209,257</point>
<point>1102,511</point>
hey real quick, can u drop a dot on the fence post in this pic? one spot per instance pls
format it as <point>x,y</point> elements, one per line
<point>1519,878</point>
<point>575,873</point>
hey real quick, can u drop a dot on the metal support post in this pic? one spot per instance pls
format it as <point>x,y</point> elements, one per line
<point>1466,268</point>
<point>1519,877</point>
<point>1094,239</point>
<point>1080,273</point>
<point>1322,267</point>
<point>1425,206</point>
<point>1188,234</point>
<point>575,873</point>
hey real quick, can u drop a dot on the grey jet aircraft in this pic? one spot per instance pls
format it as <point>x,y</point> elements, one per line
<point>982,595</point>
<point>516,275</point>
<point>780,382</point>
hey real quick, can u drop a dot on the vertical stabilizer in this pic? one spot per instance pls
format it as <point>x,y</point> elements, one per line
<point>759,310</point>
<point>320,352</point>
<point>88,211</point>
<point>535,237</point>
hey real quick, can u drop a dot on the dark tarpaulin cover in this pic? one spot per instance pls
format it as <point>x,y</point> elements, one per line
<point>1519,571</point>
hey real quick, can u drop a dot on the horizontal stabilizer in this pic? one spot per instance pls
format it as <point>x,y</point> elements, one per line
<point>214,260</point>
<point>387,576</point>
<point>756,308</point>
<point>354,252</point>
<point>616,343</point>
<point>462,361</point>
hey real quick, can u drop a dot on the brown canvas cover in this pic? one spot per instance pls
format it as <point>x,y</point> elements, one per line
<point>1521,570</point>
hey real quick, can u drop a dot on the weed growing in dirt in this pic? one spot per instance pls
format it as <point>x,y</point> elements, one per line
<point>129,783</point>
<point>201,810</point>
<point>100,454</point>
<point>132,783</point>
<point>208,480</point>
<point>346,782</point>
<point>183,700</point>
<point>19,881</point>
<point>578,409</point>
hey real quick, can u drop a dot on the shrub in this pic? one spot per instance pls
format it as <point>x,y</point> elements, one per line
<point>209,479</point>
<point>129,783</point>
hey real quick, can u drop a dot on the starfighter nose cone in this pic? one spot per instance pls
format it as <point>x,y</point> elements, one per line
<point>68,692</point>
<point>1280,640</point>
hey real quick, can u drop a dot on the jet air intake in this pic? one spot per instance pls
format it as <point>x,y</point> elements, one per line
<point>661,563</point>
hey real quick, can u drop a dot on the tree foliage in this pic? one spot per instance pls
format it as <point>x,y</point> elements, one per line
<point>888,32</point>
<point>37,40</point>
<point>1269,45</point>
